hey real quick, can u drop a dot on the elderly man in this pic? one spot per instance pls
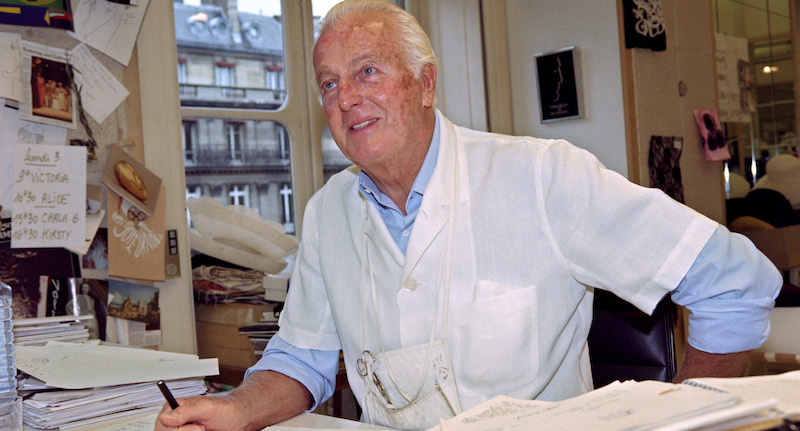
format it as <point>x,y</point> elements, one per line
<point>450,265</point>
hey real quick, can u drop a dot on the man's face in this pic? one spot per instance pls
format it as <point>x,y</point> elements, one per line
<point>374,105</point>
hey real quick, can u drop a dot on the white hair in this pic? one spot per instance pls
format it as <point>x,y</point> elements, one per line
<point>414,42</point>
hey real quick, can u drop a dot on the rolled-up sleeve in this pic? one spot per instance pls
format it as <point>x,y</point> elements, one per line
<point>314,369</point>
<point>729,290</point>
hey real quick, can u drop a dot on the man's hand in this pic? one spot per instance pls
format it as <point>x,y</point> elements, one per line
<point>701,364</point>
<point>265,398</point>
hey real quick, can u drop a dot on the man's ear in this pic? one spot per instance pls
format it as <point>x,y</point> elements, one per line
<point>429,84</point>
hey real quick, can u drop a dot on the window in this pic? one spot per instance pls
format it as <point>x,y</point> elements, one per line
<point>238,101</point>
<point>283,143</point>
<point>193,192</point>
<point>233,133</point>
<point>182,71</point>
<point>189,138</point>
<point>224,75</point>
<point>286,198</point>
<point>274,78</point>
<point>239,194</point>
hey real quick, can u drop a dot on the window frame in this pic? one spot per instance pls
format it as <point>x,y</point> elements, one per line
<point>300,115</point>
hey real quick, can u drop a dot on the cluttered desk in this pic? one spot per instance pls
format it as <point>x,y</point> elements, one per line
<point>770,402</point>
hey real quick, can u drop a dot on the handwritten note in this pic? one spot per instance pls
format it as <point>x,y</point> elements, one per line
<point>101,91</point>
<point>49,196</point>
<point>10,67</point>
<point>16,131</point>
<point>108,27</point>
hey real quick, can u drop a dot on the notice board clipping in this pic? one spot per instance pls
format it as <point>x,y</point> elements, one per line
<point>558,86</point>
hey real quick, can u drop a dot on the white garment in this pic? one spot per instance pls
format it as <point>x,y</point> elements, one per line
<point>538,222</point>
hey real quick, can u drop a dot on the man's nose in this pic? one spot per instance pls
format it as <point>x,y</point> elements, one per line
<point>349,95</point>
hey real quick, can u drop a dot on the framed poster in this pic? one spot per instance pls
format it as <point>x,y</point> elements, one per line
<point>558,86</point>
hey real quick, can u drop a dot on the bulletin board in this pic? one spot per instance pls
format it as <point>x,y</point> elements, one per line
<point>67,140</point>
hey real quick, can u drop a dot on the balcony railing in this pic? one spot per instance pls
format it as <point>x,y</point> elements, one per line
<point>217,155</point>
<point>213,95</point>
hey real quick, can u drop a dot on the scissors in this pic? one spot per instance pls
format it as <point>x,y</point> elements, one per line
<point>364,367</point>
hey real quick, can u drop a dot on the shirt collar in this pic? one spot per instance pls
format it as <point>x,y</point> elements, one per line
<point>371,191</point>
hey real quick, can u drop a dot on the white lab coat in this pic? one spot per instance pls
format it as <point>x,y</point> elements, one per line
<point>538,221</point>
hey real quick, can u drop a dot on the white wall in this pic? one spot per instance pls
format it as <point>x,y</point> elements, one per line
<point>454,28</point>
<point>536,26</point>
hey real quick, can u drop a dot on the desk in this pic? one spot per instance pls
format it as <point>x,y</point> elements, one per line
<point>305,421</point>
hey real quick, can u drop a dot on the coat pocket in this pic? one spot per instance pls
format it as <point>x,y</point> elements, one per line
<point>496,342</point>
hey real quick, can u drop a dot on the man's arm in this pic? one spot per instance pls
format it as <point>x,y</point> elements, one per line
<point>697,363</point>
<point>729,291</point>
<point>264,398</point>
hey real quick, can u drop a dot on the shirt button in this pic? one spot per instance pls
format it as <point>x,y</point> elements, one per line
<point>410,284</point>
<point>406,233</point>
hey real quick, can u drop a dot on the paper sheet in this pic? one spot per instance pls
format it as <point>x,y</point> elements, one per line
<point>10,68</point>
<point>16,131</point>
<point>622,406</point>
<point>49,196</point>
<point>783,387</point>
<point>91,366</point>
<point>139,422</point>
<point>108,27</point>
<point>101,91</point>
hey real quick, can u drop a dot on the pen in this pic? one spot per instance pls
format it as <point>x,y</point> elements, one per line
<point>167,394</point>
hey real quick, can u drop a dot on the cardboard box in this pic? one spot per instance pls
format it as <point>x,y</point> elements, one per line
<point>783,335</point>
<point>217,327</point>
<point>781,245</point>
<point>231,314</point>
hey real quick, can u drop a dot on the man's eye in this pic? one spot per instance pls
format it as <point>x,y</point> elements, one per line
<point>328,85</point>
<point>369,70</point>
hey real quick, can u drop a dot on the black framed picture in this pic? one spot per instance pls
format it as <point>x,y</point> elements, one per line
<point>558,86</point>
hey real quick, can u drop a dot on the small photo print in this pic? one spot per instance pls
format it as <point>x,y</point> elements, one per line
<point>95,262</point>
<point>712,136</point>
<point>134,302</point>
<point>51,91</point>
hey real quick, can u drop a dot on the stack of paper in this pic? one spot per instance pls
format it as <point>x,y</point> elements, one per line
<point>74,384</point>
<point>68,409</point>
<point>39,330</point>
<point>701,404</point>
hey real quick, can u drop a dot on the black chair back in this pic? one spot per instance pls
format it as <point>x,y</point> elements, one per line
<point>627,344</point>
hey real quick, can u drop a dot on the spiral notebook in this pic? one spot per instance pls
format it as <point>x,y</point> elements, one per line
<point>784,388</point>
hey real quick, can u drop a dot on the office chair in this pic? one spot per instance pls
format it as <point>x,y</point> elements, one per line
<point>627,344</point>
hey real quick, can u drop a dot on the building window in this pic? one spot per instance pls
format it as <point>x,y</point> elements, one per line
<point>286,198</point>
<point>224,74</point>
<point>193,192</point>
<point>239,194</point>
<point>283,143</point>
<point>225,78</point>
<point>182,73</point>
<point>189,141</point>
<point>275,78</point>
<point>233,133</point>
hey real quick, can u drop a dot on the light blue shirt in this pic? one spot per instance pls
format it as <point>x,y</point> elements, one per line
<point>714,290</point>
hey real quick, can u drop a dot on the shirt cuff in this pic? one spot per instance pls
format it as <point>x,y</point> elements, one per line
<point>314,369</point>
<point>729,290</point>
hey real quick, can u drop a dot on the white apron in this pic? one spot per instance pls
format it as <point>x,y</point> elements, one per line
<point>414,387</point>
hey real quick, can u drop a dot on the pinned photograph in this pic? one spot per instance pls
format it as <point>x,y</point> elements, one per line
<point>49,91</point>
<point>712,137</point>
<point>134,302</point>
<point>131,180</point>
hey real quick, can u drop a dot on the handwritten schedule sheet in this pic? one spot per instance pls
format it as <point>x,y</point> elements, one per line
<point>49,196</point>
